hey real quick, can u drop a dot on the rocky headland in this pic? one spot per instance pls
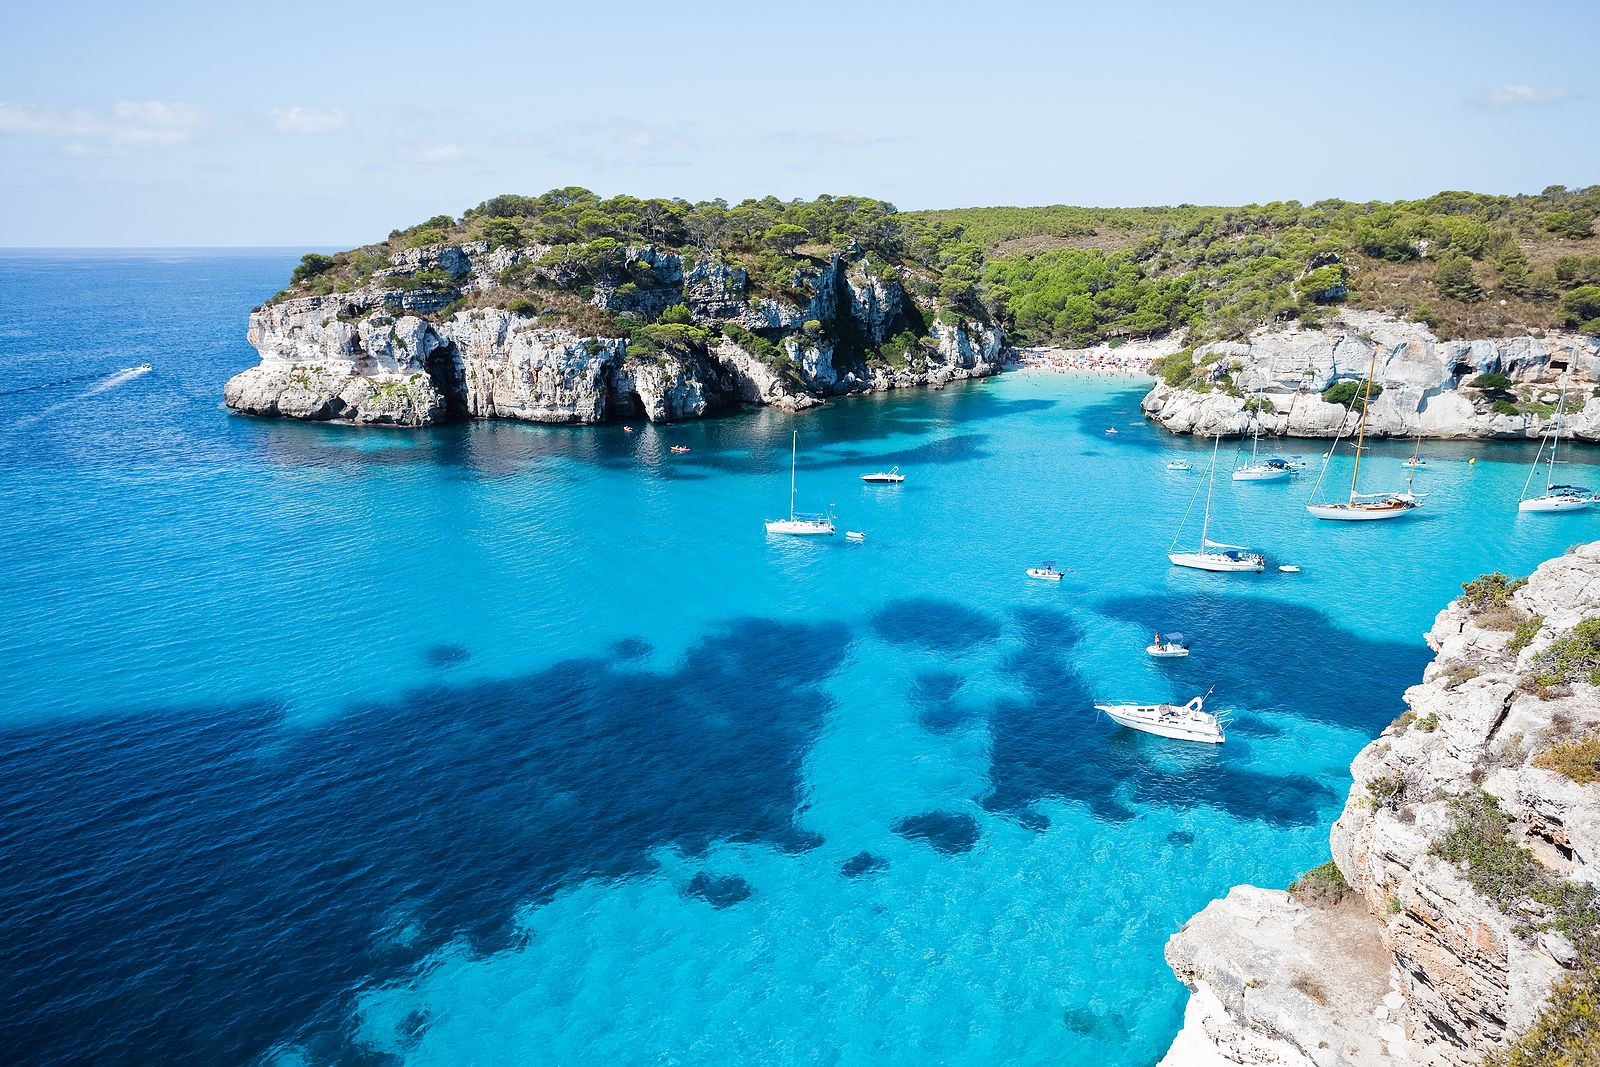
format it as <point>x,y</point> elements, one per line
<point>546,334</point>
<point>1459,919</point>
<point>1505,387</point>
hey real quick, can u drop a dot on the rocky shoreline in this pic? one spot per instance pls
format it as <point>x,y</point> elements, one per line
<point>1411,958</point>
<point>1428,384</point>
<point>434,337</point>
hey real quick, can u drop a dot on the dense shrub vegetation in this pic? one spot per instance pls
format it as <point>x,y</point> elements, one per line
<point>1464,263</point>
<point>1083,274</point>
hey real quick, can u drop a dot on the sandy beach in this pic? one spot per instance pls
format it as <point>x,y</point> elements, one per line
<point>1131,359</point>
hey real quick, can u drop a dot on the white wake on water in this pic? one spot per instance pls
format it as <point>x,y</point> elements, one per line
<point>121,377</point>
<point>127,374</point>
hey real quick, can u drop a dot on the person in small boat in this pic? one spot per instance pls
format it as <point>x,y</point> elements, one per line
<point>1158,639</point>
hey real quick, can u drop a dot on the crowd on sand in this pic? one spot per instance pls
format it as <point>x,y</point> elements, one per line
<point>1131,360</point>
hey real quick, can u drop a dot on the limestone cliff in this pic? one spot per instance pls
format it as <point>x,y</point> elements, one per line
<point>1433,959</point>
<point>436,334</point>
<point>1427,383</point>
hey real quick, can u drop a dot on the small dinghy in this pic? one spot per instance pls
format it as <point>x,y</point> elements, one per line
<point>1181,722</point>
<point>1046,573</point>
<point>1112,430</point>
<point>1289,568</point>
<point>892,476</point>
<point>1180,465</point>
<point>681,450</point>
<point>854,535</point>
<point>1172,647</point>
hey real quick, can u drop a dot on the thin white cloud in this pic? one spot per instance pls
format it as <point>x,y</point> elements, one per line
<point>1516,95</point>
<point>128,123</point>
<point>308,120</point>
<point>443,153</point>
<point>611,141</point>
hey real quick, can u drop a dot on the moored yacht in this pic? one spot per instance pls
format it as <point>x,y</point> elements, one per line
<point>892,476</point>
<point>1555,497</point>
<point>1364,507</point>
<point>1256,471</point>
<point>1214,555</point>
<point>1181,722</point>
<point>799,524</point>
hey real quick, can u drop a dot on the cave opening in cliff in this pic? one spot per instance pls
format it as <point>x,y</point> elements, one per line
<point>448,377</point>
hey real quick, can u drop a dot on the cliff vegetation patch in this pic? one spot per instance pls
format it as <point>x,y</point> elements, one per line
<point>1578,759</point>
<point>1467,264</point>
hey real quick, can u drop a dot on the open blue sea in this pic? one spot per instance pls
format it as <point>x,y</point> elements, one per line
<point>517,744</point>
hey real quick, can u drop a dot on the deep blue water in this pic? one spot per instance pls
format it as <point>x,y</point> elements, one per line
<point>511,743</point>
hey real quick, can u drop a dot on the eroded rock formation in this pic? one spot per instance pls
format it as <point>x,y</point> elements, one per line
<point>1419,966</point>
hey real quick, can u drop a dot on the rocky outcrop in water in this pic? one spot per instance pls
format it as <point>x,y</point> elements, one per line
<point>425,340</point>
<point>1427,383</point>
<point>1418,964</point>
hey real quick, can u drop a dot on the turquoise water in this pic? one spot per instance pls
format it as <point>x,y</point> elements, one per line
<point>502,742</point>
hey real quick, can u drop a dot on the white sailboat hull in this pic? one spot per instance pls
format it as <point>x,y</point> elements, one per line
<point>1261,473</point>
<point>800,527</point>
<point>1167,720</point>
<point>1215,561</point>
<point>1556,503</point>
<point>1362,512</point>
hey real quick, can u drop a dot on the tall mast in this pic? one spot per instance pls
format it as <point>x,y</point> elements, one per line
<point>794,449</point>
<point>1256,443</point>
<point>1361,432</point>
<point>1415,453</point>
<point>1211,480</point>
<point>1550,480</point>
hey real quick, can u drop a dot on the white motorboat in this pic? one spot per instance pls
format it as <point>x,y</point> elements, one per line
<point>1046,573</point>
<point>854,535</point>
<point>1180,465</point>
<point>1272,470</point>
<point>1414,462</point>
<point>1170,647</point>
<point>1289,568</point>
<point>892,476</point>
<point>143,367</point>
<point>1364,507</point>
<point>798,524</point>
<point>1181,722</point>
<point>1555,497</point>
<point>1213,555</point>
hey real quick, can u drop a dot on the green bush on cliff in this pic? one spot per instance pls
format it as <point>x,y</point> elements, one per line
<point>1573,656</point>
<point>1580,308</point>
<point>1491,590</point>
<point>311,265</point>
<point>1349,393</point>
<point>1321,886</point>
<point>1509,876</point>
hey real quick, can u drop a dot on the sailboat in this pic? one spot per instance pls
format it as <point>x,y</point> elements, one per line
<point>1214,555</point>
<point>1270,471</point>
<point>1555,497</point>
<point>1364,506</point>
<point>798,524</point>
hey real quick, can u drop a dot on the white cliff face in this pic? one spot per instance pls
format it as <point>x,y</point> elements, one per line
<point>1426,382</point>
<point>383,353</point>
<point>1454,974</point>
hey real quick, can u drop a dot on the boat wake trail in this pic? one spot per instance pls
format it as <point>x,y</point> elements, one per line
<point>56,384</point>
<point>121,377</point>
<point>126,375</point>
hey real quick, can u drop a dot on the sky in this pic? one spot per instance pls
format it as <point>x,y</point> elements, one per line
<point>330,124</point>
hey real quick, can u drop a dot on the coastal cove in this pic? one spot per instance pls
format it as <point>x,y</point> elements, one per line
<point>459,742</point>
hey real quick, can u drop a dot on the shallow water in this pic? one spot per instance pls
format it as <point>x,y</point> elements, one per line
<point>508,742</point>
